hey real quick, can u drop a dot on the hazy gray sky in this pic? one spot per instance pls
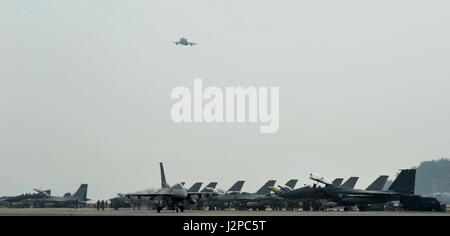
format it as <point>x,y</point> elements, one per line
<point>85,90</point>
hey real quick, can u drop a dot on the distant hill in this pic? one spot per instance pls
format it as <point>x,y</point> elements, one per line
<point>433,176</point>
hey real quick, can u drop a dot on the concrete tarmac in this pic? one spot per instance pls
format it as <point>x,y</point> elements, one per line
<point>130,212</point>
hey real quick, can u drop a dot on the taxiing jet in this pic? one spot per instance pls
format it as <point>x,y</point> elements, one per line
<point>168,196</point>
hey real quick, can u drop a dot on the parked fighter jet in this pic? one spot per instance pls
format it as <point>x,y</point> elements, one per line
<point>15,201</point>
<point>68,200</point>
<point>265,198</point>
<point>183,41</point>
<point>261,193</point>
<point>222,200</point>
<point>241,200</point>
<point>402,185</point>
<point>167,196</point>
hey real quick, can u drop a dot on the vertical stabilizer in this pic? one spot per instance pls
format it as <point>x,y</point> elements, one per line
<point>405,182</point>
<point>209,187</point>
<point>81,193</point>
<point>195,188</point>
<point>264,189</point>
<point>337,182</point>
<point>291,183</point>
<point>163,177</point>
<point>237,187</point>
<point>378,184</point>
<point>350,183</point>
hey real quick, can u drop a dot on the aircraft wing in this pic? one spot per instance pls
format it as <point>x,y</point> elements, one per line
<point>192,43</point>
<point>149,195</point>
<point>200,194</point>
<point>372,194</point>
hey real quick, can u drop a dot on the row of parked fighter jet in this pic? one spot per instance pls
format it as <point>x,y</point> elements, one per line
<point>318,197</point>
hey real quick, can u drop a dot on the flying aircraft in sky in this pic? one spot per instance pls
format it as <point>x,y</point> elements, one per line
<point>185,42</point>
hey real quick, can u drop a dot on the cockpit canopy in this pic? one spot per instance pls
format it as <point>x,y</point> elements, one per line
<point>178,186</point>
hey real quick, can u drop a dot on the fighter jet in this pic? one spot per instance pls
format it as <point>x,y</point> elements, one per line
<point>402,185</point>
<point>68,200</point>
<point>222,200</point>
<point>261,193</point>
<point>256,199</point>
<point>267,199</point>
<point>185,42</point>
<point>168,196</point>
<point>16,201</point>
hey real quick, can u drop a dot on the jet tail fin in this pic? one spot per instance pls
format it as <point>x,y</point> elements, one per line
<point>405,182</point>
<point>163,177</point>
<point>209,187</point>
<point>195,188</point>
<point>378,184</point>
<point>337,182</point>
<point>350,183</point>
<point>264,189</point>
<point>237,187</point>
<point>81,193</point>
<point>291,183</point>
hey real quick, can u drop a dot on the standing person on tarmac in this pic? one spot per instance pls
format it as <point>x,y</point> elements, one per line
<point>98,205</point>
